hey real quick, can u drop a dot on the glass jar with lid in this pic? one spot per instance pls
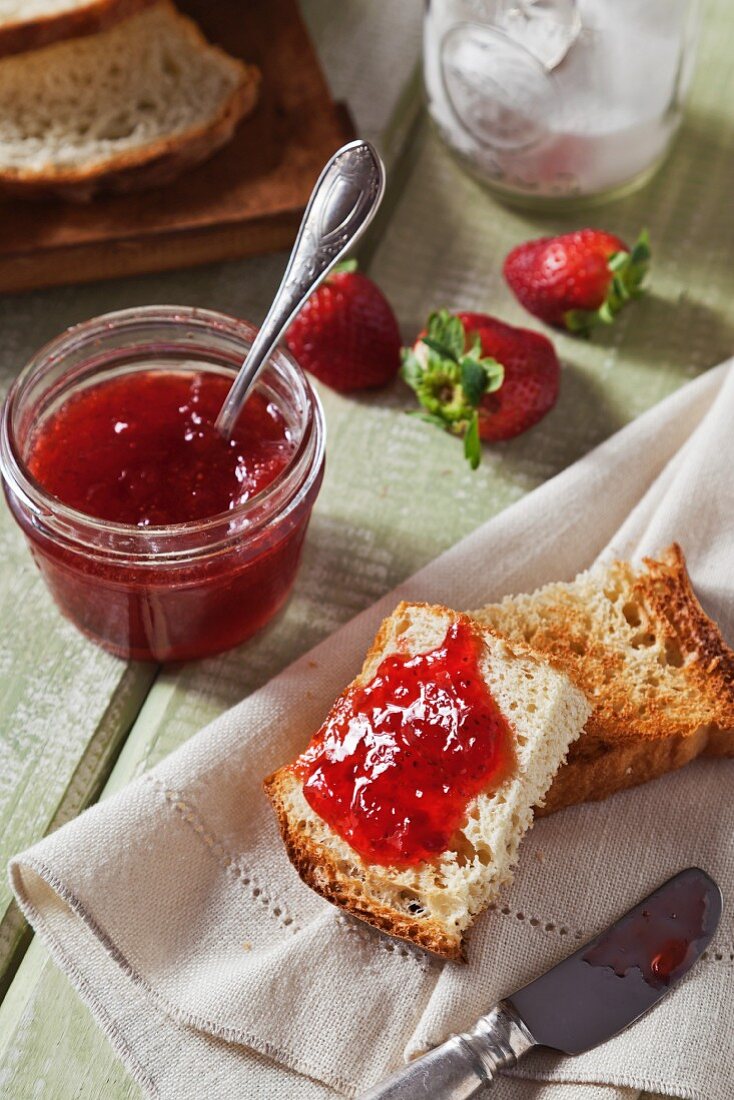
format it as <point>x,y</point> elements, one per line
<point>557,101</point>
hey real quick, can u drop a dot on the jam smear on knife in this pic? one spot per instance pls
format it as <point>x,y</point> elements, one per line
<point>658,941</point>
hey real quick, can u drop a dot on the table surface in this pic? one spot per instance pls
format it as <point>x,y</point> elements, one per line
<point>77,724</point>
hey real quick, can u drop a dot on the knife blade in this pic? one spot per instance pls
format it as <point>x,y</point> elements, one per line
<point>592,995</point>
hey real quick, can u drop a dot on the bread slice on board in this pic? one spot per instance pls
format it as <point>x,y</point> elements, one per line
<point>655,668</point>
<point>433,902</point>
<point>30,24</point>
<point>129,108</point>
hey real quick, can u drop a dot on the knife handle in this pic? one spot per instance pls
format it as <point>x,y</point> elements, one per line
<point>463,1065</point>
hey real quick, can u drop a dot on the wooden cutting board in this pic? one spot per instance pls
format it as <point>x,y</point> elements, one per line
<point>247,199</point>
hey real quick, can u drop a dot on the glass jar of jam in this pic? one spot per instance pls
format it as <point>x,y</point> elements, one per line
<point>169,581</point>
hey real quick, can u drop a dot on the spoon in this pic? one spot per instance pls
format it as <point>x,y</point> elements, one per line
<point>342,205</point>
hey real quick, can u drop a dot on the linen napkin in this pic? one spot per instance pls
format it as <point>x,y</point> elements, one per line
<point>216,973</point>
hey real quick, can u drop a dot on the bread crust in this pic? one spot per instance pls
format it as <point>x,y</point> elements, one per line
<point>95,16</point>
<point>319,871</point>
<point>154,164</point>
<point>666,589</point>
<point>616,750</point>
<point>606,771</point>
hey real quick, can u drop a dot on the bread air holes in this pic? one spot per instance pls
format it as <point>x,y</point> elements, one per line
<point>171,66</point>
<point>400,627</point>
<point>673,653</point>
<point>465,851</point>
<point>116,128</point>
<point>631,612</point>
<point>411,903</point>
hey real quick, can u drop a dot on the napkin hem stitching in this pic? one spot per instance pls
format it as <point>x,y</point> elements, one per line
<point>229,862</point>
<point>181,1016</point>
<point>542,924</point>
<point>225,858</point>
<point>67,963</point>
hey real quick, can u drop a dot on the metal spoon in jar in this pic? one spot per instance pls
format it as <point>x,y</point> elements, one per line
<point>342,205</point>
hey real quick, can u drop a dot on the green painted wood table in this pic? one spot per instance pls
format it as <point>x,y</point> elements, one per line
<point>77,724</point>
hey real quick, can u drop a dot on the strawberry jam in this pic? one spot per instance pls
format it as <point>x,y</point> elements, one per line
<point>142,449</point>
<point>660,939</point>
<point>156,537</point>
<point>397,761</point>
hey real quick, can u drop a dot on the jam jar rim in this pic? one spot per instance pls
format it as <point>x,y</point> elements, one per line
<point>150,545</point>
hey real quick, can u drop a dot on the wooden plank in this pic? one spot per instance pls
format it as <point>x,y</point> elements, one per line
<point>39,801</point>
<point>246,199</point>
<point>79,1062</point>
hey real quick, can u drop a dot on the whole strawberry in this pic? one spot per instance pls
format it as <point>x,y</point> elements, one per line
<point>579,279</point>
<point>346,333</point>
<point>478,377</point>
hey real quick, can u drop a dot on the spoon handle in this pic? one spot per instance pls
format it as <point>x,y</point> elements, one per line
<point>342,204</point>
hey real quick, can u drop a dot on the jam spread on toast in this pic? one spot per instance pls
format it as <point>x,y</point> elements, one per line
<point>397,761</point>
<point>142,449</point>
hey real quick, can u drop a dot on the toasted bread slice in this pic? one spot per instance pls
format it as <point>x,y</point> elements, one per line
<point>656,669</point>
<point>433,902</point>
<point>30,24</point>
<point>126,109</point>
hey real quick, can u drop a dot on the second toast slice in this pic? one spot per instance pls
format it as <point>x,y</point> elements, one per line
<point>655,667</point>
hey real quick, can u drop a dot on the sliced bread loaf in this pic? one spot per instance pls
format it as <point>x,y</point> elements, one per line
<point>655,668</point>
<point>131,107</point>
<point>432,902</point>
<point>30,24</point>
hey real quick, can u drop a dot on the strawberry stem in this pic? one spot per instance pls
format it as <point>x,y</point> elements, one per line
<point>344,267</point>
<point>450,379</point>
<point>472,442</point>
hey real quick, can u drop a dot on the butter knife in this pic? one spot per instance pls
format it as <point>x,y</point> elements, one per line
<point>589,997</point>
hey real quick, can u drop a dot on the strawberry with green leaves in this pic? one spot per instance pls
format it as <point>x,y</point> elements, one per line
<point>480,378</point>
<point>579,279</point>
